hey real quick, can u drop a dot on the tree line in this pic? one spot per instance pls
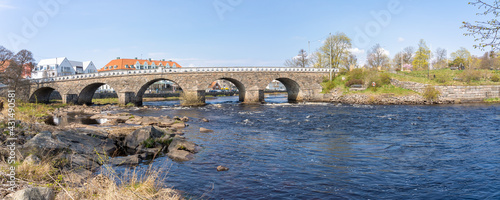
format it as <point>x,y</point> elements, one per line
<point>336,51</point>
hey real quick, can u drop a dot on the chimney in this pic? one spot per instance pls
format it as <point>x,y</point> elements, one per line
<point>118,58</point>
<point>149,59</point>
<point>136,58</point>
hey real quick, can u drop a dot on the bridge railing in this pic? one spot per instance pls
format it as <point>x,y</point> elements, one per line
<point>183,70</point>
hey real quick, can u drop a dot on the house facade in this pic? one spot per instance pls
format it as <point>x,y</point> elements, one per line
<point>27,68</point>
<point>54,67</point>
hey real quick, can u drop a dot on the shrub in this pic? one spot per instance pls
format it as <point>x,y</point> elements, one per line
<point>354,82</point>
<point>440,79</point>
<point>327,86</point>
<point>495,78</point>
<point>385,78</point>
<point>431,93</point>
<point>357,74</point>
<point>470,75</point>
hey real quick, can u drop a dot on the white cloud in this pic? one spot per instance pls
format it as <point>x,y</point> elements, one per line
<point>357,51</point>
<point>5,5</point>
<point>386,52</point>
<point>400,39</point>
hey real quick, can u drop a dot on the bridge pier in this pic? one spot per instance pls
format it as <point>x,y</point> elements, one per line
<point>254,96</point>
<point>69,98</point>
<point>193,98</point>
<point>126,97</point>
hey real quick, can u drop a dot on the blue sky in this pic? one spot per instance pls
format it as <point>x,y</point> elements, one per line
<point>226,32</point>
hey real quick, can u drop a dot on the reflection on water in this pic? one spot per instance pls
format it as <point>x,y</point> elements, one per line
<point>74,117</point>
<point>325,151</point>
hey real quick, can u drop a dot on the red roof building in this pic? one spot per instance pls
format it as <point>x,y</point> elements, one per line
<point>26,70</point>
<point>137,64</point>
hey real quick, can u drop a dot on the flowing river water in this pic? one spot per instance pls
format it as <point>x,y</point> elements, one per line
<point>329,151</point>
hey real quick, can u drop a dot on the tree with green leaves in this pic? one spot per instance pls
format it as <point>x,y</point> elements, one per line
<point>335,50</point>
<point>486,32</point>
<point>422,56</point>
<point>461,57</point>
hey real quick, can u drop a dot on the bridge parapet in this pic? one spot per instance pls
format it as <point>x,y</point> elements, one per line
<point>184,70</point>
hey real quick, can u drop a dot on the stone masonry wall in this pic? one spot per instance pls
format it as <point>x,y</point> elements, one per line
<point>470,93</point>
<point>463,93</point>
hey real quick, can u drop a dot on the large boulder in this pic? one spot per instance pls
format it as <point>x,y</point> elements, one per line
<point>36,193</point>
<point>179,155</point>
<point>137,138</point>
<point>181,149</point>
<point>182,144</point>
<point>74,141</point>
<point>84,144</point>
<point>42,144</point>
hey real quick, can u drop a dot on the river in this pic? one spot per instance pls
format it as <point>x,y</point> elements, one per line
<point>329,151</point>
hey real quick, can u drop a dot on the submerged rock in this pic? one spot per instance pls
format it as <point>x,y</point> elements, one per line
<point>127,160</point>
<point>222,168</point>
<point>205,130</point>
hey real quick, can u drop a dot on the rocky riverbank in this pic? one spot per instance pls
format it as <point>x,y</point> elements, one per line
<point>76,151</point>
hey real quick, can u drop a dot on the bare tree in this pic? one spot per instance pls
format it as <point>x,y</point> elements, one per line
<point>377,58</point>
<point>408,54</point>
<point>351,60</point>
<point>487,61</point>
<point>5,55</point>
<point>441,57</point>
<point>486,32</point>
<point>19,64</point>
<point>301,60</point>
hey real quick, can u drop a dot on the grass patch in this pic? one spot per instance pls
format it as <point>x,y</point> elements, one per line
<point>34,112</point>
<point>327,86</point>
<point>450,77</point>
<point>105,101</point>
<point>492,100</point>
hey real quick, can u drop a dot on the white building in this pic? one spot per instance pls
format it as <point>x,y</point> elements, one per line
<point>276,85</point>
<point>54,67</point>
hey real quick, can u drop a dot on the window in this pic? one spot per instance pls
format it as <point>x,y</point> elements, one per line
<point>126,66</point>
<point>174,65</point>
<point>106,67</point>
<point>116,66</point>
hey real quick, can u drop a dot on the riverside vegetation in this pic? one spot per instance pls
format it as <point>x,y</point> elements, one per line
<point>356,86</point>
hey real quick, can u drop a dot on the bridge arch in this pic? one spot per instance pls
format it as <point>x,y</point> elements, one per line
<point>292,88</point>
<point>87,93</point>
<point>239,85</point>
<point>42,95</point>
<point>142,90</point>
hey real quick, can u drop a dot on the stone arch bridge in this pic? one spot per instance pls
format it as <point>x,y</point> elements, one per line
<point>302,84</point>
